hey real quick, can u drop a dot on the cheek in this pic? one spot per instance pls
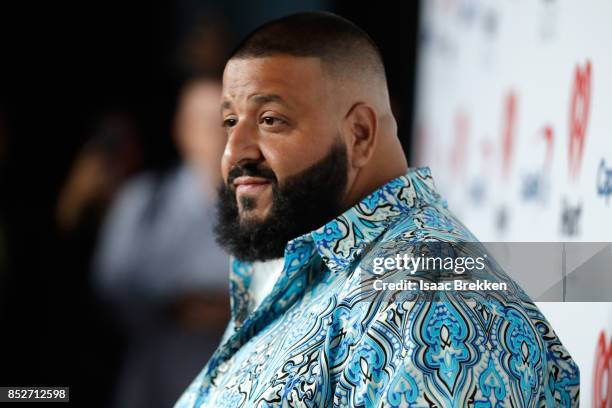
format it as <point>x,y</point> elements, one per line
<point>288,158</point>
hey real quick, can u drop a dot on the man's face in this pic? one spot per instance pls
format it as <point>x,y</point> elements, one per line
<point>285,162</point>
<point>277,114</point>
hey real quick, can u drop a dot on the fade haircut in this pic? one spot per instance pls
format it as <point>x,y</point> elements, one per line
<point>341,46</point>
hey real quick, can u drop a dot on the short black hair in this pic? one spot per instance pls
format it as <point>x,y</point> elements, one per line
<point>336,41</point>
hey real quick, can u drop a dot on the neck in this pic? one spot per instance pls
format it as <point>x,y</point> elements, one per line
<point>366,182</point>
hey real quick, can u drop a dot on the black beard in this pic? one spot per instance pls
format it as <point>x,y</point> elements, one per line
<point>305,202</point>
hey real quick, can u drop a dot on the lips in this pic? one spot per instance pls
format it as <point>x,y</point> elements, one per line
<point>244,184</point>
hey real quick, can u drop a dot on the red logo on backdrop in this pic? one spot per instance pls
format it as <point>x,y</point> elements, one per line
<point>508,135</point>
<point>602,374</point>
<point>580,105</point>
<point>549,135</point>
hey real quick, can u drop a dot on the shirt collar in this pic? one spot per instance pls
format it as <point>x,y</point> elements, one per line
<point>342,239</point>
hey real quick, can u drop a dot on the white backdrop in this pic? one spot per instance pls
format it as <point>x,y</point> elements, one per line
<point>514,117</point>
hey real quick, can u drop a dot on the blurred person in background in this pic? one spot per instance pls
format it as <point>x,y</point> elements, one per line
<point>157,262</point>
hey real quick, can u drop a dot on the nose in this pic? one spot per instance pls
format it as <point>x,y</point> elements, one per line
<point>242,145</point>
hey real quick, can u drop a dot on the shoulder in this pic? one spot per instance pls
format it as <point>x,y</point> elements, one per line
<point>454,348</point>
<point>454,343</point>
<point>459,345</point>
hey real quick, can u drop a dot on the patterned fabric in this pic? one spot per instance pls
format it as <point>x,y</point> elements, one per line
<point>325,338</point>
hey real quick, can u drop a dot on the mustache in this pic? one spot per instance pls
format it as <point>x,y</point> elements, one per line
<point>251,169</point>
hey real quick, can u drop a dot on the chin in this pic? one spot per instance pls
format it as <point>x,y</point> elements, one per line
<point>253,215</point>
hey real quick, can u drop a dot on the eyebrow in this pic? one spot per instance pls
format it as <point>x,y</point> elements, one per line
<point>226,105</point>
<point>259,99</point>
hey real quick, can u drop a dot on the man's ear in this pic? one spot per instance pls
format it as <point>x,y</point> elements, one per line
<point>362,125</point>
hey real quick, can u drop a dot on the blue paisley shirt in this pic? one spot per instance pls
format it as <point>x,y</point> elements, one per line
<point>323,337</point>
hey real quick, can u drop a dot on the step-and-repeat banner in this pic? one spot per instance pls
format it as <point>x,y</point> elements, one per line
<point>514,117</point>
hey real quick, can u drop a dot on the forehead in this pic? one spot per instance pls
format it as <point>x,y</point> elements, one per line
<point>297,80</point>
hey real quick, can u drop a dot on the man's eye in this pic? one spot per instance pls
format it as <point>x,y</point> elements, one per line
<point>271,120</point>
<point>229,122</point>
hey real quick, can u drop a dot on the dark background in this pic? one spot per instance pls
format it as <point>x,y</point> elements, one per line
<point>61,66</point>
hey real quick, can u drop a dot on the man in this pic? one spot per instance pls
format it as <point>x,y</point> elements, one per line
<point>316,184</point>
